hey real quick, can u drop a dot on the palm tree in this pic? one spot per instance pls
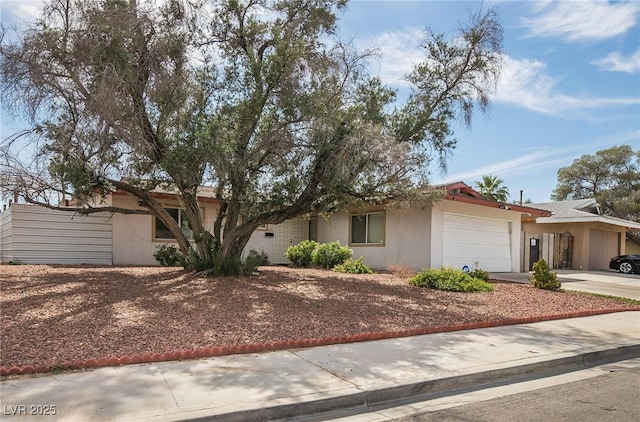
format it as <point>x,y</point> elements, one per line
<point>491,188</point>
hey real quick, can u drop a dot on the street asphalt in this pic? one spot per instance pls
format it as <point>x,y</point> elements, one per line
<point>325,381</point>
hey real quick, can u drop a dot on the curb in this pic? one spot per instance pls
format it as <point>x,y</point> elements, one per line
<point>367,401</point>
<point>290,344</point>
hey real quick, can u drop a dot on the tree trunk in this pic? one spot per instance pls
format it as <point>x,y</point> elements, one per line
<point>202,238</point>
<point>157,210</point>
<point>231,247</point>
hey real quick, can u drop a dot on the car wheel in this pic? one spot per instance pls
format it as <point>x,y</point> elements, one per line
<point>626,267</point>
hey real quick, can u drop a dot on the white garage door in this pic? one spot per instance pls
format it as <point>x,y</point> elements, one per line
<point>469,240</point>
<point>603,246</point>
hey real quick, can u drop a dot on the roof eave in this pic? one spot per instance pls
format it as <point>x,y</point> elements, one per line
<point>500,205</point>
<point>589,219</point>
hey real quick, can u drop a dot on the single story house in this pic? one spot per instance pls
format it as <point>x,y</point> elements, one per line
<point>575,236</point>
<point>462,229</point>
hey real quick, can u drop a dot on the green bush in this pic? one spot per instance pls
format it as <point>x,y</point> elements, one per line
<point>254,260</point>
<point>450,279</point>
<point>328,255</point>
<point>301,254</point>
<point>169,256</point>
<point>542,278</point>
<point>353,266</point>
<point>481,274</point>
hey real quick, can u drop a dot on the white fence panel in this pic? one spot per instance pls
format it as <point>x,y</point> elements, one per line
<point>37,235</point>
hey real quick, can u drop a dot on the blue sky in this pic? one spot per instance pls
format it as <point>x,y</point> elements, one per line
<point>570,84</point>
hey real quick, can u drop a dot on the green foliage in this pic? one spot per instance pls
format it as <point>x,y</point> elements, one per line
<point>214,264</point>
<point>480,274</point>
<point>449,279</point>
<point>301,254</point>
<point>273,112</point>
<point>56,369</point>
<point>169,256</point>
<point>491,188</point>
<point>353,266</point>
<point>611,176</point>
<point>616,298</point>
<point>542,278</point>
<point>328,255</point>
<point>253,260</point>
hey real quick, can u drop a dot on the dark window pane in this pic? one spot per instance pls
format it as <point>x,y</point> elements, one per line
<point>313,229</point>
<point>162,231</point>
<point>358,229</point>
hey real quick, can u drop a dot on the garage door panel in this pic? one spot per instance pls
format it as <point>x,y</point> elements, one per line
<point>602,246</point>
<point>469,239</point>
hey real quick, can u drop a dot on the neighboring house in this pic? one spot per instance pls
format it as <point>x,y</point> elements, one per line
<point>576,236</point>
<point>462,229</point>
<point>632,247</point>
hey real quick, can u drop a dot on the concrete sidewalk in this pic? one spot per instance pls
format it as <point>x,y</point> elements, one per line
<point>294,383</point>
<point>600,282</point>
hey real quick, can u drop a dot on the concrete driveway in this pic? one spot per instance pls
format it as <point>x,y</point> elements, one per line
<point>602,282</point>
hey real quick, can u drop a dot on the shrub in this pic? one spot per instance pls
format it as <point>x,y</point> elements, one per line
<point>328,255</point>
<point>449,279</point>
<point>301,255</point>
<point>353,266</point>
<point>253,260</point>
<point>400,270</point>
<point>480,274</point>
<point>169,256</point>
<point>542,278</point>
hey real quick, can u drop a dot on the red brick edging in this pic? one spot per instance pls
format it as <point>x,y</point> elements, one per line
<point>288,344</point>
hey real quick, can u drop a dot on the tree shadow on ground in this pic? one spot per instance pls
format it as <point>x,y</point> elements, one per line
<point>57,314</point>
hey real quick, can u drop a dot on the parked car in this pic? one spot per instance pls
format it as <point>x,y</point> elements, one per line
<point>626,264</point>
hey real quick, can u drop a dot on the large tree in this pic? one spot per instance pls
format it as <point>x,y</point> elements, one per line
<point>611,176</point>
<point>491,187</point>
<point>256,98</point>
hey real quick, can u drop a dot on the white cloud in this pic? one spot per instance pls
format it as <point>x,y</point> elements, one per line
<point>616,62</point>
<point>527,84</point>
<point>537,159</point>
<point>541,158</point>
<point>18,11</point>
<point>583,20</point>
<point>398,52</point>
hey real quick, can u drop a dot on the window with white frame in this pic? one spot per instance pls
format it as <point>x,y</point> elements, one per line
<point>368,228</point>
<point>161,231</point>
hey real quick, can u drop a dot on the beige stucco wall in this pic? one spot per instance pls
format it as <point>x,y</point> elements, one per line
<point>133,242</point>
<point>407,234</point>
<point>581,238</point>
<point>414,237</point>
<point>631,247</point>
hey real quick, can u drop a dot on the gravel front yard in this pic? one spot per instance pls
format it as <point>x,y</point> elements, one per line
<point>52,314</point>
